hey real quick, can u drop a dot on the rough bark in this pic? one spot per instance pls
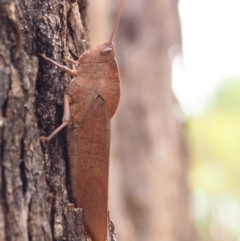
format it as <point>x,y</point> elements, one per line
<point>149,200</point>
<point>35,196</point>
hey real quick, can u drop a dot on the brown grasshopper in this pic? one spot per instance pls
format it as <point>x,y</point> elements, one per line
<point>90,101</point>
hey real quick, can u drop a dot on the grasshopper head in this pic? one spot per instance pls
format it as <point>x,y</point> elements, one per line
<point>105,52</point>
<point>100,54</point>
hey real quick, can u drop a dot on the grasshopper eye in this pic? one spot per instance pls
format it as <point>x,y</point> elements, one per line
<point>106,51</point>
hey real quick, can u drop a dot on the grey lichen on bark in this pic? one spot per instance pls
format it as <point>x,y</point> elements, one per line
<point>35,196</point>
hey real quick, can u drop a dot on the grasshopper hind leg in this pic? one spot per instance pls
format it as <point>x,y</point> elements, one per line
<point>65,120</point>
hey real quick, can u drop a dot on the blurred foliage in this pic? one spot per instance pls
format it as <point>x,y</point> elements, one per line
<point>214,144</point>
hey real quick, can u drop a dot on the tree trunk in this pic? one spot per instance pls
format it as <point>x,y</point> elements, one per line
<point>149,160</point>
<point>35,196</point>
<point>149,193</point>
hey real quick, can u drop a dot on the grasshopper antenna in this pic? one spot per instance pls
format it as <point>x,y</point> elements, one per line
<point>117,20</point>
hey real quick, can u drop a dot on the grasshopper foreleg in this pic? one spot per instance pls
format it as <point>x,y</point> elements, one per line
<point>62,67</point>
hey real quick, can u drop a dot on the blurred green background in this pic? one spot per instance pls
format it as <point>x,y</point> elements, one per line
<point>214,176</point>
<point>207,83</point>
